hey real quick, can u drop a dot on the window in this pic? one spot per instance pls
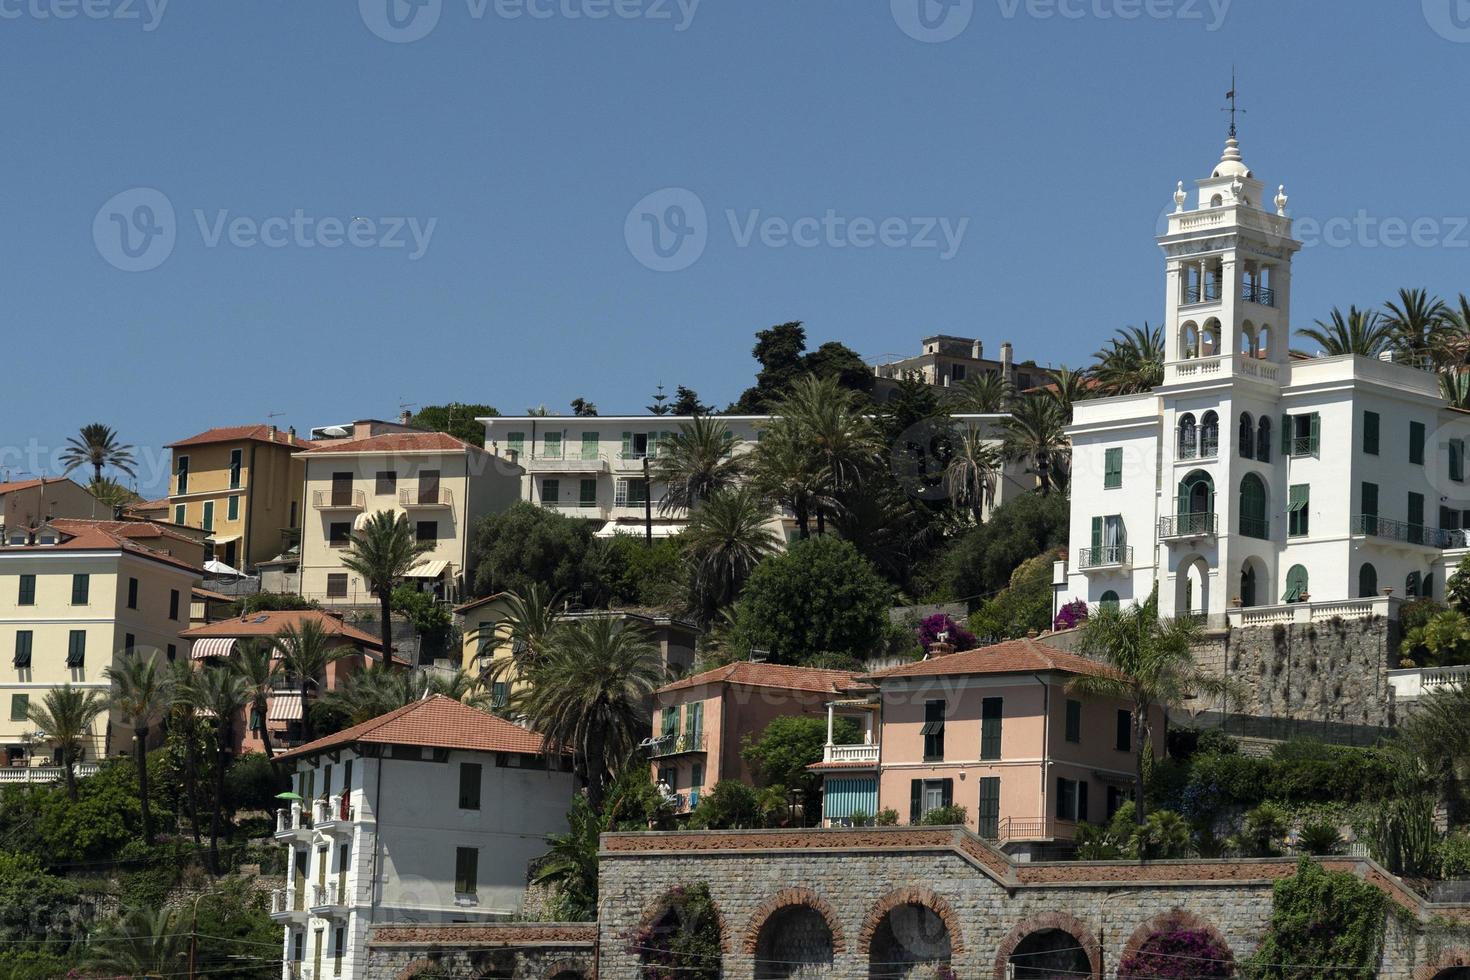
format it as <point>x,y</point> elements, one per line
<point>1074,721</point>
<point>694,721</point>
<point>989,813</point>
<point>1411,585</point>
<point>1301,434</point>
<point>1296,584</point>
<point>173,603</point>
<point>23,641</point>
<point>80,587</point>
<point>1247,436</point>
<point>130,644</point>
<point>589,445</point>
<point>991,710</point>
<point>1426,587</point>
<point>515,442</point>
<point>933,730</point>
<point>1370,433</point>
<point>76,649</point>
<point>1188,437</point>
<point>1123,735</point>
<point>339,534</point>
<point>1263,440</point>
<point>469,786</point>
<point>1109,541</point>
<point>1113,802</point>
<point>550,491</point>
<point>957,372</point>
<point>1367,581</point>
<point>926,795</point>
<point>1416,518</point>
<point>670,721</point>
<point>232,508</point>
<point>1416,443</point>
<point>630,493</point>
<point>1298,510</point>
<point>1113,468</point>
<point>1209,434</point>
<point>429,488</point>
<point>173,653</point>
<point>551,445</point>
<point>293,515</point>
<point>298,946</point>
<point>386,483</point>
<point>1370,508</point>
<point>1253,521</point>
<point>466,868</point>
<point>27,595</point>
<point>1108,601</point>
<point>587,493</point>
<point>669,776</point>
<point>236,459</point>
<point>20,705</point>
<point>424,531</point>
<point>499,694</point>
<point>181,469</point>
<point>337,585</point>
<point>181,512</point>
<point>132,593</point>
<point>208,523</point>
<point>1457,460</point>
<point>339,949</point>
<point>1071,799</point>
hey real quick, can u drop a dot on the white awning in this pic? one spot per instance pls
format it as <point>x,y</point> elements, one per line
<point>284,706</point>
<point>212,647</point>
<point>429,569</point>
<point>214,567</point>
<point>225,540</point>
<point>638,530</point>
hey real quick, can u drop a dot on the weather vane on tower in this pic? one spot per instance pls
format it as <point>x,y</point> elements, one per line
<point>1233,108</point>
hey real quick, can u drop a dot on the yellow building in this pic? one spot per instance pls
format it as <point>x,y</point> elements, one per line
<point>26,504</point>
<point>242,485</point>
<point>76,598</point>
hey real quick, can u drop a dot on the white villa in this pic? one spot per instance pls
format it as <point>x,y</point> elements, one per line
<point>1254,477</point>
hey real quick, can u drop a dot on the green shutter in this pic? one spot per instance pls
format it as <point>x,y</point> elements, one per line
<point>988,818</point>
<point>1457,460</point>
<point>627,444</point>
<point>991,710</point>
<point>1286,431</point>
<point>1370,500</point>
<point>1416,509</point>
<point>1297,508</point>
<point>1096,534</point>
<point>916,800</point>
<point>588,494</point>
<point>1074,721</point>
<point>589,445</point>
<point>1296,584</point>
<point>1113,468</point>
<point>1416,443</point>
<point>1314,434</point>
<point>1370,433</point>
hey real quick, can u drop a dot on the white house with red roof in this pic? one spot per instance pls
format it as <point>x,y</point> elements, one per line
<point>428,814</point>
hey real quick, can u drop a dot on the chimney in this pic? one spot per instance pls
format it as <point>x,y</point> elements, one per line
<point>271,432</point>
<point>1005,359</point>
<point>977,349</point>
<point>1032,634</point>
<point>405,417</point>
<point>291,433</point>
<point>940,648</point>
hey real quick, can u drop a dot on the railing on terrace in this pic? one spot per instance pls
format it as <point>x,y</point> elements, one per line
<point>45,774</point>
<point>1382,527</point>
<point>1313,612</point>
<point>1255,293</point>
<point>339,499</point>
<point>1256,527</point>
<point>1189,526</point>
<point>1417,682</point>
<point>677,742</point>
<point>850,753</point>
<point>410,499</point>
<point>1110,556</point>
<point>1030,828</point>
<point>1208,293</point>
<point>336,808</point>
<point>292,818</point>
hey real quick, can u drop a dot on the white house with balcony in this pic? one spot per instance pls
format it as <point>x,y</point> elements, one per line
<point>1253,476</point>
<point>428,814</point>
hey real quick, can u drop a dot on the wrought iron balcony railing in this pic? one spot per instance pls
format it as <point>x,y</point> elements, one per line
<point>1209,293</point>
<point>676,743</point>
<point>1252,293</point>
<point>1382,527</point>
<point>1189,526</point>
<point>1109,556</point>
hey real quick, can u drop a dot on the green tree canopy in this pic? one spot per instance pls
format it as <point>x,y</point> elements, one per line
<point>982,560</point>
<point>455,418</point>
<point>527,545</point>
<point>790,743</point>
<point>783,357</point>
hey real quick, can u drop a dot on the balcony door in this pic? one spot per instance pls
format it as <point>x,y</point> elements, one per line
<point>428,486</point>
<point>341,489</point>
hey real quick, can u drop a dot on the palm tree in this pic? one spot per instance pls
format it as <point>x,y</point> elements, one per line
<point>305,652</point>
<point>141,692</point>
<point>146,944</point>
<point>695,463</point>
<point>726,540</point>
<point>64,718</point>
<point>112,494</point>
<point>367,694</point>
<point>1454,387</point>
<point>1067,388</point>
<point>1036,431</point>
<point>987,393</point>
<point>970,474</point>
<point>383,553</point>
<point>1454,340</point>
<point>1416,322</point>
<point>1154,668</point>
<point>1361,332</point>
<point>531,618</point>
<point>826,422</point>
<point>223,693</point>
<point>184,719</point>
<point>1438,734</point>
<point>1133,361</point>
<point>258,666</point>
<point>788,473</point>
<point>97,446</point>
<point>587,696</point>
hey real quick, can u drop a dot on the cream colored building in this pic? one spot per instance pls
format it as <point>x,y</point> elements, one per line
<point>442,485</point>
<point>76,598</point>
<point>26,504</point>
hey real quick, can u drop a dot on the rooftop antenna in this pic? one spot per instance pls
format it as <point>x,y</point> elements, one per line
<point>1233,107</point>
<point>275,415</point>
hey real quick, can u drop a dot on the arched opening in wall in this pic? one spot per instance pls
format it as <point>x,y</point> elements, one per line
<point>1253,520</point>
<point>1248,339</point>
<point>1251,582</point>
<point>1209,434</point>
<point>1263,439</point>
<point>1050,954</point>
<point>1367,581</point>
<point>911,941</point>
<point>1263,341</point>
<point>794,942</point>
<point>681,936</point>
<point>1297,586</point>
<point>1195,504</point>
<point>1192,587</point>
<point>1189,339</point>
<point>1108,601</point>
<point>1411,585</point>
<point>1188,437</point>
<point>1247,436</point>
<point>1209,338</point>
<point>1175,946</point>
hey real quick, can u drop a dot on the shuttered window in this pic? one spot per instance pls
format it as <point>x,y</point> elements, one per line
<point>466,870</point>
<point>469,785</point>
<point>1296,584</point>
<point>1074,721</point>
<point>990,720</point>
<point>1370,433</point>
<point>80,587</point>
<point>1457,460</point>
<point>1124,739</point>
<point>1298,509</point>
<point>515,442</point>
<point>23,640</point>
<point>589,445</point>
<point>76,649</point>
<point>1113,468</point>
<point>587,493</point>
<point>933,731</point>
<point>1416,443</point>
<point>989,812</point>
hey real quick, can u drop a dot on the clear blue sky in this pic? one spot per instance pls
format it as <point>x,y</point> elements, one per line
<point>528,140</point>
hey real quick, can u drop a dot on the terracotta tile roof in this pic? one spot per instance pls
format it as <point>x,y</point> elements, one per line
<point>391,442</point>
<point>201,593</point>
<point>840,766</point>
<point>437,722</point>
<point>749,674</point>
<point>240,433</point>
<point>21,485</point>
<point>477,603</point>
<point>269,623</point>
<point>79,535</point>
<point>135,530</point>
<point>1010,657</point>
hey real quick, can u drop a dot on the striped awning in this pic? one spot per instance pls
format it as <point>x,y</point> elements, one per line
<point>429,569</point>
<point>284,706</point>
<point>211,647</point>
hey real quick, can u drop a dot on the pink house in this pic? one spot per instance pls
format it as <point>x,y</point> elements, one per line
<point>996,731</point>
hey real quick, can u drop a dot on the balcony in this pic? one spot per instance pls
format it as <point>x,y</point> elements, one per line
<point>339,499</point>
<point>293,823</point>
<point>570,464</point>
<point>1418,682</point>
<point>287,905</point>
<point>425,498</point>
<point>632,462</point>
<point>1255,293</point>
<point>676,743</point>
<point>1188,526</point>
<point>1208,293</point>
<point>1370,525</point>
<point>329,900</point>
<point>1110,557</point>
<point>850,754</point>
<point>1031,829</point>
<point>334,816</point>
<point>44,774</point>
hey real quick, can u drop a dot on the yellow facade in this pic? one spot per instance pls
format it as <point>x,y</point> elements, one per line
<point>123,599</point>
<point>244,487</point>
<point>486,637</point>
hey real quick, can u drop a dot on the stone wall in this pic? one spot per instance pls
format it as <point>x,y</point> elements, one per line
<point>506,951</point>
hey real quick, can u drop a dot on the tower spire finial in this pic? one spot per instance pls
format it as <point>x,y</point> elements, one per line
<point>1233,108</point>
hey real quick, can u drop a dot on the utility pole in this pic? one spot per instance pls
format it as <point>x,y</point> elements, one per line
<point>647,504</point>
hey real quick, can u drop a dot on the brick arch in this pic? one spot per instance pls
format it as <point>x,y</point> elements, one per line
<point>1041,922</point>
<point>1170,921</point>
<point>912,895</point>
<point>661,905</point>
<point>1450,959</point>
<point>421,965</point>
<point>785,898</point>
<point>568,966</point>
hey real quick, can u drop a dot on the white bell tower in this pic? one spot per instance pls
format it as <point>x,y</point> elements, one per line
<point>1228,275</point>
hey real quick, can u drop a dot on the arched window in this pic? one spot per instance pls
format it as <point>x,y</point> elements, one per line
<point>1253,521</point>
<point>1188,437</point>
<point>1209,338</point>
<point>1296,584</point>
<point>1189,340</point>
<point>1426,587</point>
<point>1263,341</point>
<point>1216,201</point>
<point>1411,585</point>
<point>1263,439</point>
<point>1248,585</point>
<point>1209,434</point>
<point>1247,436</point>
<point>1367,581</point>
<point>1109,601</point>
<point>1196,504</point>
<point>1248,339</point>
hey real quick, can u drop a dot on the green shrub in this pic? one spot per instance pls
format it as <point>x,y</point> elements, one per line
<point>887,817</point>
<point>1320,837</point>
<point>729,805</point>
<point>1454,856</point>
<point>1322,924</point>
<point>944,816</point>
<point>252,782</point>
<point>859,818</point>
